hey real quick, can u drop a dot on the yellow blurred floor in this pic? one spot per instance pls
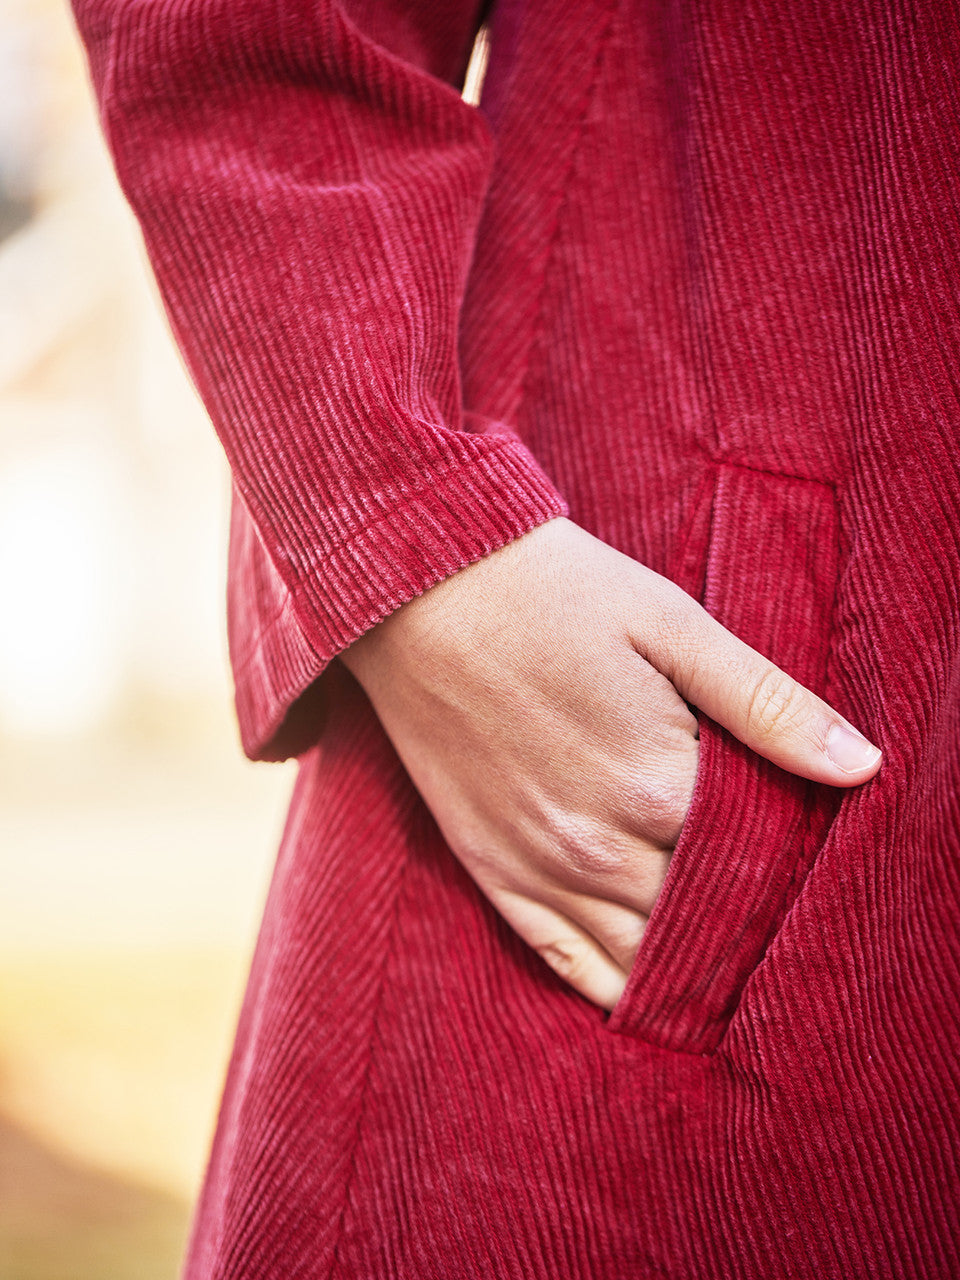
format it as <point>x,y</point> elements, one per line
<point>63,1220</point>
<point>133,881</point>
<point>107,1082</point>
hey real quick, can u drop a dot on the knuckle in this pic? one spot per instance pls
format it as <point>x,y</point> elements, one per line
<point>587,851</point>
<point>776,705</point>
<point>564,957</point>
<point>673,615</point>
<point>652,807</point>
<point>668,809</point>
<point>477,848</point>
<point>670,631</point>
<point>657,802</point>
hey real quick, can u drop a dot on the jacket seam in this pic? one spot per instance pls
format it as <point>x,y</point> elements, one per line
<point>775,473</point>
<point>389,951</point>
<point>539,323</point>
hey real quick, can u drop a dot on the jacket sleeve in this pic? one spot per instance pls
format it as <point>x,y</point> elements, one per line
<point>309,182</point>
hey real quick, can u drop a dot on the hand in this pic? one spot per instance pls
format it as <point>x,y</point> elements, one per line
<point>538,701</point>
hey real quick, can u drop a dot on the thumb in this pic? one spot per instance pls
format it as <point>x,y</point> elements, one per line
<point>761,705</point>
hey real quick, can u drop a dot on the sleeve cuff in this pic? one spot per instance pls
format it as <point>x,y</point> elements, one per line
<point>282,641</point>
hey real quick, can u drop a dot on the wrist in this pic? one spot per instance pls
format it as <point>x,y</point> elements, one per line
<point>387,642</point>
<point>464,609</point>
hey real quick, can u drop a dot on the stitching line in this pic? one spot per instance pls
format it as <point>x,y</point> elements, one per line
<point>389,951</point>
<point>539,324</point>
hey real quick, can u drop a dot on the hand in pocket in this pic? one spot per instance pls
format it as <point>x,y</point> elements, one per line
<point>538,699</point>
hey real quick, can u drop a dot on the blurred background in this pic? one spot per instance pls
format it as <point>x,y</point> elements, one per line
<point>135,840</point>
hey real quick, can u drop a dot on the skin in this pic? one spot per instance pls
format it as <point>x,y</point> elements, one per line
<point>539,701</point>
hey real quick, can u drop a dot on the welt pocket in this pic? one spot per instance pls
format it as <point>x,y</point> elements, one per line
<point>769,575</point>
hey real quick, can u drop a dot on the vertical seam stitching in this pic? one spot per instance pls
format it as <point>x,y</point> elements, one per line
<point>539,325</point>
<point>389,951</point>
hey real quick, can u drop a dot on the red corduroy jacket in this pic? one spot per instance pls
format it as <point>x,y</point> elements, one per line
<point>688,274</point>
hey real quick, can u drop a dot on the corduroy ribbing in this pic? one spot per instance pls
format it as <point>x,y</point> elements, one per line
<point>431,534</point>
<point>311,242</point>
<point>692,266</point>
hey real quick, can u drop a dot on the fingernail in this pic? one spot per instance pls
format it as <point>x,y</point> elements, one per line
<point>849,750</point>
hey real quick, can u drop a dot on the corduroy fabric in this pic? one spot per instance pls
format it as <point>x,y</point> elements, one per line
<point>689,274</point>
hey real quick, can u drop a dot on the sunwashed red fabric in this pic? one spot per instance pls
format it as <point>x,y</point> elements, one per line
<point>689,274</point>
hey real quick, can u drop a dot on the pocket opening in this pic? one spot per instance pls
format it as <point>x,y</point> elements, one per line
<point>770,564</point>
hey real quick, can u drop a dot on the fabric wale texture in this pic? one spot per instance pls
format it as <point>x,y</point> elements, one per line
<point>688,275</point>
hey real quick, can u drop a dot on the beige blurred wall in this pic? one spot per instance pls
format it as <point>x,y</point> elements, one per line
<point>135,841</point>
